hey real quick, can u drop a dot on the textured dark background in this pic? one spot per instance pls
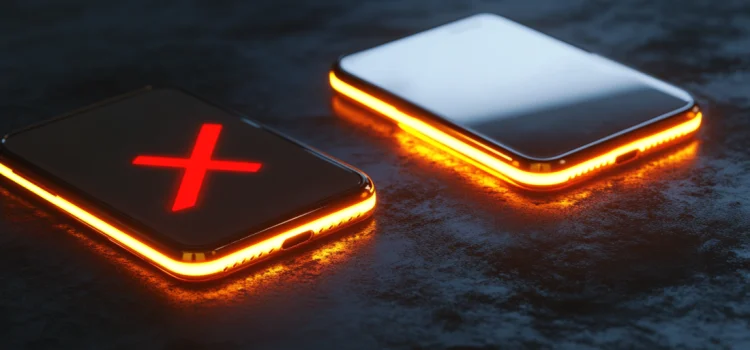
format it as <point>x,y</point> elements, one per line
<point>655,255</point>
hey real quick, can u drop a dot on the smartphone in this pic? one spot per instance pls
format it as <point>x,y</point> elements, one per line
<point>530,109</point>
<point>195,189</point>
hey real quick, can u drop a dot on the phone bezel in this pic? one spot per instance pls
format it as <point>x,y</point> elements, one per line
<point>120,220</point>
<point>570,157</point>
<point>565,158</point>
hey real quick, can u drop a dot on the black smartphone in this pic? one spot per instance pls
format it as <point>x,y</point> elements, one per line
<point>193,188</point>
<point>526,107</point>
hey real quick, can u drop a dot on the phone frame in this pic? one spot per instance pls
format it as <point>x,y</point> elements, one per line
<point>192,263</point>
<point>503,162</point>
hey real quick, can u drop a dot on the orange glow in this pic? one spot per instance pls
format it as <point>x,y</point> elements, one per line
<point>672,164</point>
<point>500,168</point>
<point>556,204</point>
<point>197,165</point>
<point>199,270</point>
<point>317,259</point>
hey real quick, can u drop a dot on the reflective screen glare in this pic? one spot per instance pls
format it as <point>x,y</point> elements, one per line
<point>516,87</point>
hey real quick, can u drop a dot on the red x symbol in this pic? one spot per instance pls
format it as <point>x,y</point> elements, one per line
<point>197,165</point>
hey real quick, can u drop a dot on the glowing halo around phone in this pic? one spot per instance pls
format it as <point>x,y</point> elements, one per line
<point>192,188</point>
<point>525,107</point>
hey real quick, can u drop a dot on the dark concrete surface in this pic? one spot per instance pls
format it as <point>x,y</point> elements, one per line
<point>656,255</point>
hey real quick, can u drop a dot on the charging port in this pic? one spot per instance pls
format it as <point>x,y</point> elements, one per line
<point>624,158</point>
<point>296,240</point>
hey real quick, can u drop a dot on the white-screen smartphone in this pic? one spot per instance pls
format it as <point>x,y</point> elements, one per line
<point>522,105</point>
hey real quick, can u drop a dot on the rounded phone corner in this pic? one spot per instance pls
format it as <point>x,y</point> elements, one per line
<point>487,16</point>
<point>338,65</point>
<point>4,140</point>
<point>5,145</point>
<point>366,185</point>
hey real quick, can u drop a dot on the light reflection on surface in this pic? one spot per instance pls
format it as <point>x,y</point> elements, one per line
<point>291,269</point>
<point>650,168</point>
<point>294,268</point>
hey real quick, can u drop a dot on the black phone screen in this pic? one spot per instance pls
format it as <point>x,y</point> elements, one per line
<point>193,173</point>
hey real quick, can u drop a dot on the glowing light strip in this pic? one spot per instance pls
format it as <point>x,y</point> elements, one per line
<point>414,125</point>
<point>192,269</point>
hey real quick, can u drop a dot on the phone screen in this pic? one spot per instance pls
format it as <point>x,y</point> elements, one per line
<point>516,87</point>
<point>248,178</point>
